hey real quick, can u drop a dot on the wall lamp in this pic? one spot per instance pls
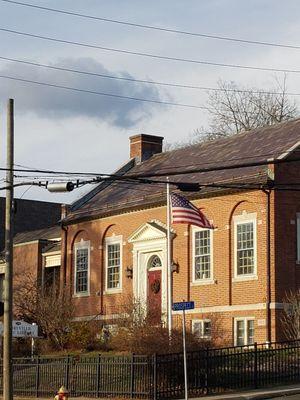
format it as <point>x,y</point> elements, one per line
<point>175,267</point>
<point>129,272</point>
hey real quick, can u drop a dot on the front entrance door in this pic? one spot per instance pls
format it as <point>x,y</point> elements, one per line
<point>154,289</point>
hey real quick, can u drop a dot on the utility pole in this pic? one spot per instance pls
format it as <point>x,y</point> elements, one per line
<point>169,262</point>
<point>8,297</point>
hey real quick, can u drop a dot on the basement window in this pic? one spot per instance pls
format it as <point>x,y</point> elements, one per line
<point>201,328</point>
<point>244,331</point>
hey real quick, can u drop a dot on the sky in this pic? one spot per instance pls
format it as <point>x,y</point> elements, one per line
<point>73,131</point>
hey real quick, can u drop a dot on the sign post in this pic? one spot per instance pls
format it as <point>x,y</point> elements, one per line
<point>182,306</point>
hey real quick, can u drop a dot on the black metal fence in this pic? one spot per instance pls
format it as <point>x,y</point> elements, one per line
<point>100,376</point>
<point>229,369</point>
<point>159,376</point>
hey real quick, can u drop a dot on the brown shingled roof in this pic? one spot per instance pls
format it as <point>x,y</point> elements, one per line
<point>31,215</point>
<point>258,145</point>
<point>53,232</point>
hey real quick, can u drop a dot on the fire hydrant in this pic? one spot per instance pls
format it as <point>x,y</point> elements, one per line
<point>62,394</point>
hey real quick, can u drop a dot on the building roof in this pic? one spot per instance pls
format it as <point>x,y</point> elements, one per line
<point>51,247</point>
<point>30,215</point>
<point>259,145</point>
<point>50,233</point>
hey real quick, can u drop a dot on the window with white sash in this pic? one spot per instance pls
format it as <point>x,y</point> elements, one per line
<point>82,268</point>
<point>202,255</point>
<point>201,328</point>
<point>298,238</point>
<point>113,264</point>
<point>245,246</point>
<point>244,331</point>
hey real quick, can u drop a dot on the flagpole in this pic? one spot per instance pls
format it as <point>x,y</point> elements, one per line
<point>169,266</point>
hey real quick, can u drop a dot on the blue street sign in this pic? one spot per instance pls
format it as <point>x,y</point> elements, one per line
<point>183,305</point>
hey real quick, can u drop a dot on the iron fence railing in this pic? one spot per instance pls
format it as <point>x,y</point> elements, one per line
<point>159,376</point>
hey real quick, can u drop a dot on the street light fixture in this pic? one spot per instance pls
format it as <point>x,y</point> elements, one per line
<point>58,187</point>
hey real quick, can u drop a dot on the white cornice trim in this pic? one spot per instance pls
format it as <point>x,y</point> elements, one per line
<point>99,317</point>
<point>288,151</point>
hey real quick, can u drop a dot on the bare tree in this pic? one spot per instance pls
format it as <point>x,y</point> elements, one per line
<point>46,306</point>
<point>233,109</point>
<point>291,315</point>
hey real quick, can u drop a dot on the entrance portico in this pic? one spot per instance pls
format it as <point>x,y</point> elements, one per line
<point>150,267</point>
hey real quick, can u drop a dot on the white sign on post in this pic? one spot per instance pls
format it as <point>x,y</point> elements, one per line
<point>22,329</point>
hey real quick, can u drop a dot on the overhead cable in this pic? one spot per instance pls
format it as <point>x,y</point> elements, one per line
<point>141,176</point>
<point>151,82</point>
<point>156,28</point>
<point>149,55</point>
<point>26,168</point>
<point>168,103</point>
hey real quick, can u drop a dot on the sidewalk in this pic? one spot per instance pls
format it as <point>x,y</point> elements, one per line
<point>258,394</point>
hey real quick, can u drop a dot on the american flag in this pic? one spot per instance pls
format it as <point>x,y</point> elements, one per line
<point>184,212</point>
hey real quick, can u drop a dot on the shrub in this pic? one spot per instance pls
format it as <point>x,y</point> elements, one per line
<point>140,332</point>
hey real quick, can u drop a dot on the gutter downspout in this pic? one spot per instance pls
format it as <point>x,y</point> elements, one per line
<point>64,211</point>
<point>64,258</point>
<point>268,254</point>
<point>102,277</point>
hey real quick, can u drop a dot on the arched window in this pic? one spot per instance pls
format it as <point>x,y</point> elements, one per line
<point>154,262</point>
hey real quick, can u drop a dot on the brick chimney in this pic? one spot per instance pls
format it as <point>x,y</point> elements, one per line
<point>143,147</point>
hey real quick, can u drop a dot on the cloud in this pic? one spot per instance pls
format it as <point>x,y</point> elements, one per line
<point>54,103</point>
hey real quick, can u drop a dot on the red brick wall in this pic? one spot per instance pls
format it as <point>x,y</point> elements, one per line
<point>27,260</point>
<point>223,292</point>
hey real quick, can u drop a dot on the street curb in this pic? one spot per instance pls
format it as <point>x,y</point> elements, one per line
<point>260,396</point>
<point>273,395</point>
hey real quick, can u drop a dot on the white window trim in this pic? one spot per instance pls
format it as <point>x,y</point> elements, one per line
<point>244,219</point>
<point>149,258</point>
<point>203,281</point>
<point>109,241</point>
<point>298,238</point>
<point>245,319</point>
<point>201,321</point>
<point>82,245</point>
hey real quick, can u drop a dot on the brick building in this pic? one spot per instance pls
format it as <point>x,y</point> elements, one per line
<point>30,215</point>
<point>113,240</point>
<point>37,257</point>
<point>33,228</point>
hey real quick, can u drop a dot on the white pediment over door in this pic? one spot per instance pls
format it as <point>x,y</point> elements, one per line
<point>152,230</point>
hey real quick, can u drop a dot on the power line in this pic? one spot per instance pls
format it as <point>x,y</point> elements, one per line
<point>149,55</point>
<point>29,169</point>
<point>168,103</point>
<point>152,82</point>
<point>156,28</point>
<point>216,168</point>
<point>74,174</point>
<point>144,177</point>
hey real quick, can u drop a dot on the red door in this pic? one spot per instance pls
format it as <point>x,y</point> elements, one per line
<point>154,296</point>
